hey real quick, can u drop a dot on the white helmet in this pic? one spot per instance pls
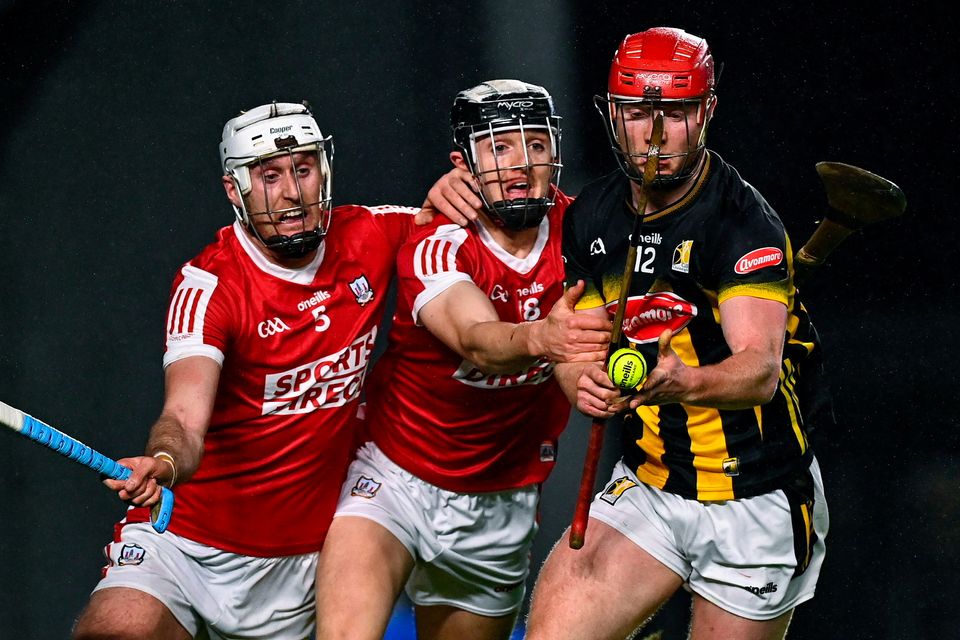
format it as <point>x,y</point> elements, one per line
<point>267,131</point>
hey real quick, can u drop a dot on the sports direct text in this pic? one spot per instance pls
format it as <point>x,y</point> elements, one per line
<point>330,381</point>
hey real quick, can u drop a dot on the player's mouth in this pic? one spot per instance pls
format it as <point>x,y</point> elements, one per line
<point>290,217</point>
<point>516,189</point>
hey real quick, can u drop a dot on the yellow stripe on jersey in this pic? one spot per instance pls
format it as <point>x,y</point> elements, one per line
<point>708,444</point>
<point>653,471</point>
<point>788,379</point>
<point>808,530</point>
<point>776,291</point>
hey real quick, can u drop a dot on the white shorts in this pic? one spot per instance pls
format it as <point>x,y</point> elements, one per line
<point>755,557</point>
<point>228,595</point>
<point>472,550</point>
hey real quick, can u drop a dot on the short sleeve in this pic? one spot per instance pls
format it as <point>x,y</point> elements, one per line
<point>197,317</point>
<point>754,257</point>
<point>428,265</point>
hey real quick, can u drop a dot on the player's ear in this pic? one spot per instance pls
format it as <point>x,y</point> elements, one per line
<point>456,157</point>
<point>231,188</point>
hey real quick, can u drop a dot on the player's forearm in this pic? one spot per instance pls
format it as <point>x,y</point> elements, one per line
<point>743,380</point>
<point>500,347</point>
<point>184,446</point>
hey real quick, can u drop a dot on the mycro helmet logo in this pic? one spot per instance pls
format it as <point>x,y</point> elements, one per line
<point>515,104</point>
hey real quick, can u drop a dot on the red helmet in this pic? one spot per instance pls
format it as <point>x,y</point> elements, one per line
<point>662,63</point>
<point>658,67</point>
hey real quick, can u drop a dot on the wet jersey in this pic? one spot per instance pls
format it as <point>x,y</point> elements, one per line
<point>719,241</point>
<point>438,415</point>
<point>293,347</point>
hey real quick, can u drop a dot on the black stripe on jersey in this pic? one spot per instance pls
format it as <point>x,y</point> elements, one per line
<point>799,495</point>
<point>678,454</point>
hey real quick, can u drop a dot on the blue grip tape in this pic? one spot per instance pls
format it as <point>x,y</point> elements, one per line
<point>63,444</point>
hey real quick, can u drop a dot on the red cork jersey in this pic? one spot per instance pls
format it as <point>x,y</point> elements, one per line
<point>438,415</point>
<point>294,347</point>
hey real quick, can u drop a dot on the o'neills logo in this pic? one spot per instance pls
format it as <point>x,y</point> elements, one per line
<point>758,259</point>
<point>647,316</point>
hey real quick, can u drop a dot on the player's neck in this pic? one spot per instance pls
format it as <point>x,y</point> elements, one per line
<point>516,243</point>
<point>659,199</point>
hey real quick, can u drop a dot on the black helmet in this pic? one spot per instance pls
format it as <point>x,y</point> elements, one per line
<point>497,106</point>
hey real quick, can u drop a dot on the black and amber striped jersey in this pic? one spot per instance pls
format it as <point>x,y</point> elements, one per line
<point>719,241</point>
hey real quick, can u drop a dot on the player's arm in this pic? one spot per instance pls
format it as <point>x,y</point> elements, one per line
<point>464,319</point>
<point>754,329</point>
<point>454,195</point>
<point>177,435</point>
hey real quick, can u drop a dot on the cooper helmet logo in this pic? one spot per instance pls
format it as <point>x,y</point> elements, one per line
<point>271,327</point>
<point>759,259</point>
<point>276,130</point>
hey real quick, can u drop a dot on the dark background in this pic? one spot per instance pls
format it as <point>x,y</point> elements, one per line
<point>109,180</point>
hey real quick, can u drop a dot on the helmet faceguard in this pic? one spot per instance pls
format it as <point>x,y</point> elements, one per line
<point>499,106</point>
<point>279,129</point>
<point>659,70</point>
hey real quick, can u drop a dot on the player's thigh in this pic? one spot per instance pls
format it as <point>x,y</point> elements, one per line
<point>443,622</point>
<point>120,613</point>
<point>710,622</point>
<point>604,590</point>
<point>363,562</point>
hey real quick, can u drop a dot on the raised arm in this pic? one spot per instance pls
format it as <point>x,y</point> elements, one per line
<point>754,329</point>
<point>463,318</point>
<point>175,445</point>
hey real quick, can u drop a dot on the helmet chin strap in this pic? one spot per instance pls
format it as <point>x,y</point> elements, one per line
<point>295,246</point>
<point>520,213</point>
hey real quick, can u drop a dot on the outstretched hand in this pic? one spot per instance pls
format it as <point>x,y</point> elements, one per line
<point>567,336</point>
<point>141,489</point>
<point>453,195</point>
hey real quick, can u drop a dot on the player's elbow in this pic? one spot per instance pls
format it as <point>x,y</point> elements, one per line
<point>766,386</point>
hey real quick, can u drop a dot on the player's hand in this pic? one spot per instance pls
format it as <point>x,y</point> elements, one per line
<point>567,336</point>
<point>453,195</point>
<point>597,397</point>
<point>141,489</point>
<point>666,382</point>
